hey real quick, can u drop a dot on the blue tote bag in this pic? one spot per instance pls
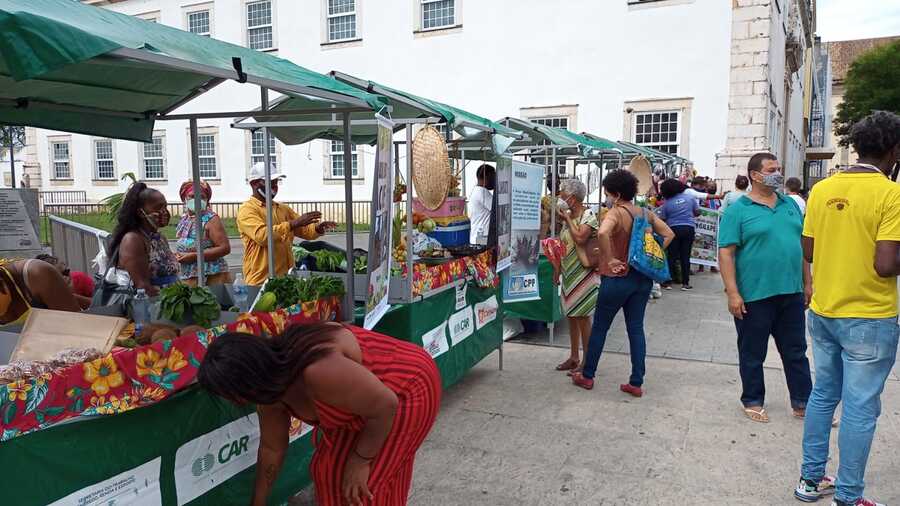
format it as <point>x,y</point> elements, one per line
<point>645,252</point>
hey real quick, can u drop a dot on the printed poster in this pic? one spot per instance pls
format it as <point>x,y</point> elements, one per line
<point>379,260</point>
<point>435,341</point>
<point>503,216</point>
<point>135,487</point>
<point>19,220</point>
<point>461,325</point>
<point>215,457</point>
<point>520,282</point>
<point>486,312</point>
<point>706,241</point>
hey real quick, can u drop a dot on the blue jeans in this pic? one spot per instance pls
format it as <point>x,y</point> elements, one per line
<point>853,358</point>
<point>629,293</point>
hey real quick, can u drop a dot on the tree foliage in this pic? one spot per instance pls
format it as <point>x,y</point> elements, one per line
<point>872,84</point>
<point>11,137</point>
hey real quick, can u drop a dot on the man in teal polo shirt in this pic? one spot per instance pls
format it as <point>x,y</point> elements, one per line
<point>761,262</point>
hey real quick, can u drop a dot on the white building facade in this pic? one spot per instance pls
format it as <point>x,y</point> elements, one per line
<point>709,80</point>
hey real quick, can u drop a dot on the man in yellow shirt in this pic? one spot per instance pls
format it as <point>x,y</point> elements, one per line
<point>852,237</point>
<point>286,224</point>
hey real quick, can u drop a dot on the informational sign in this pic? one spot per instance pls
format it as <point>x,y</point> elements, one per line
<point>520,282</point>
<point>461,295</point>
<point>503,216</point>
<point>19,220</point>
<point>379,261</point>
<point>213,458</point>
<point>435,341</point>
<point>486,312</point>
<point>135,487</point>
<point>461,325</point>
<point>706,247</point>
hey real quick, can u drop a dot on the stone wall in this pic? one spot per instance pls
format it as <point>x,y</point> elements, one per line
<point>748,103</point>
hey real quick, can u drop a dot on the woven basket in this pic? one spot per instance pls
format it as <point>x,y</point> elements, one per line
<point>640,167</point>
<point>431,167</point>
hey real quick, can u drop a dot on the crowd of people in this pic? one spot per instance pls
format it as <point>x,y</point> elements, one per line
<point>835,254</point>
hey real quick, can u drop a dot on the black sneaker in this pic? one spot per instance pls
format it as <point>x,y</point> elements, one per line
<point>686,288</point>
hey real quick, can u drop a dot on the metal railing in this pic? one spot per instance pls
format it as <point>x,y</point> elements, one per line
<point>62,197</point>
<point>100,215</point>
<point>75,243</point>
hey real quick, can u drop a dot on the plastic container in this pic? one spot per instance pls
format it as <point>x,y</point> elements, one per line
<point>455,235</point>
<point>452,206</point>
<point>140,309</point>
<point>239,293</point>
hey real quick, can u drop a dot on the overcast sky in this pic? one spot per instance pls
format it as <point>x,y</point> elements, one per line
<point>857,19</point>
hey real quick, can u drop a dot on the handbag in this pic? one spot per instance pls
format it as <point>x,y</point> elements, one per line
<point>645,252</point>
<point>589,252</point>
<point>111,294</point>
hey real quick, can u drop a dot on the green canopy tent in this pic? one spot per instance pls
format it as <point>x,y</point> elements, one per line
<point>73,67</point>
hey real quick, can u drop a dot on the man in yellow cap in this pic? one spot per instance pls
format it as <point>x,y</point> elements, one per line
<point>286,224</point>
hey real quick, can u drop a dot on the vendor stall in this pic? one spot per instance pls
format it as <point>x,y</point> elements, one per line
<point>73,67</point>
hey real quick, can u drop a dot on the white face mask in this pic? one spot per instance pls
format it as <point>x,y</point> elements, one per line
<point>561,204</point>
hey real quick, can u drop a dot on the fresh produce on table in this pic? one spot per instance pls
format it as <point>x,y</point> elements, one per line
<point>179,301</point>
<point>426,226</point>
<point>360,265</point>
<point>300,252</point>
<point>399,191</point>
<point>329,261</point>
<point>286,291</point>
<point>399,253</point>
<point>454,186</point>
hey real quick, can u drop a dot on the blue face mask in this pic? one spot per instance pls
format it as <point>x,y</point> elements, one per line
<point>190,204</point>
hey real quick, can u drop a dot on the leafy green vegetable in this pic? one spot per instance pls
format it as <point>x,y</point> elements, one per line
<point>328,261</point>
<point>179,300</point>
<point>289,290</point>
<point>360,265</point>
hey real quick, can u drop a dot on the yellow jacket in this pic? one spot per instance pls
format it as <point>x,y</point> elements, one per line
<point>251,223</point>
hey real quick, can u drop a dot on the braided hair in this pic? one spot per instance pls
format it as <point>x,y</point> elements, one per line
<point>129,218</point>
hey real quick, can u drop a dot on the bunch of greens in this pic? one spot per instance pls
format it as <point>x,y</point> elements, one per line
<point>179,301</point>
<point>328,261</point>
<point>286,290</point>
<point>325,286</point>
<point>360,265</point>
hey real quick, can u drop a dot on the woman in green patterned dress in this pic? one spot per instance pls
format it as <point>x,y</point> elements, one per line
<point>579,283</point>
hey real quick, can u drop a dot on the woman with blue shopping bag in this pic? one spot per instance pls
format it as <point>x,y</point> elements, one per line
<point>632,249</point>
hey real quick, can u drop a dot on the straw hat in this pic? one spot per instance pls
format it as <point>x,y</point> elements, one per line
<point>430,167</point>
<point>641,169</point>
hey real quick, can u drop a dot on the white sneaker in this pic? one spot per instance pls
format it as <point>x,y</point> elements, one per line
<point>810,491</point>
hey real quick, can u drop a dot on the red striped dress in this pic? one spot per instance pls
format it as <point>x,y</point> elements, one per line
<point>409,372</point>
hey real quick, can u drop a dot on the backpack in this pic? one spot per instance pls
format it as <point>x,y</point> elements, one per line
<point>645,252</point>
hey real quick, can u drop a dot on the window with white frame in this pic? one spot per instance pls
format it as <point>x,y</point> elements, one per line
<point>153,158</point>
<point>206,152</point>
<point>199,22</point>
<point>337,159</point>
<point>60,154</point>
<point>658,130</point>
<point>257,153</point>
<point>260,28</point>
<point>341,18</point>
<point>553,121</point>
<point>438,14</point>
<point>104,163</point>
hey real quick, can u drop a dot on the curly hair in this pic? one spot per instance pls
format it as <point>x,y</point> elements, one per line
<point>622,183</point>
<point>671,187</point>
<point>741,182</point>
<point>247,368</point>
<point>876,135</point>
<point>128,219</point>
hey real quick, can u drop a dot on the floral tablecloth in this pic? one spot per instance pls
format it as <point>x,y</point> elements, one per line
<point>431,277</point>
<point>127,379</point>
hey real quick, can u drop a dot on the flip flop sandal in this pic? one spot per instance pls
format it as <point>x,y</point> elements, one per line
<point>568,365</point>
<point>799,413</point>
<point>573,372</point>
<point>757,414</point>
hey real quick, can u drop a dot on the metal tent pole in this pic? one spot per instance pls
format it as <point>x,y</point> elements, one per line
<point>409,211</point>
<point>553,187</point>
<point>195,170</point>
<point>348,197</point>
<point>267,161</point>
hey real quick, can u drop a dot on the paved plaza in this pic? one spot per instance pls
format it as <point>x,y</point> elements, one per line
<point>526,436</point>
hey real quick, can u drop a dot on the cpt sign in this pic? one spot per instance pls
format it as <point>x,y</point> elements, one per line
<point>462,326</point>
<point>233,449</point>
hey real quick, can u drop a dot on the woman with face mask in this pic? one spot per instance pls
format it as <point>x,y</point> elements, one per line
<point>137,247</point>
<point>215,245</point>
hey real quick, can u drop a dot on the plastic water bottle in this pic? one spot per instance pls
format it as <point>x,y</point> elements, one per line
<point>140,307</point>
<point>240,293</point>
